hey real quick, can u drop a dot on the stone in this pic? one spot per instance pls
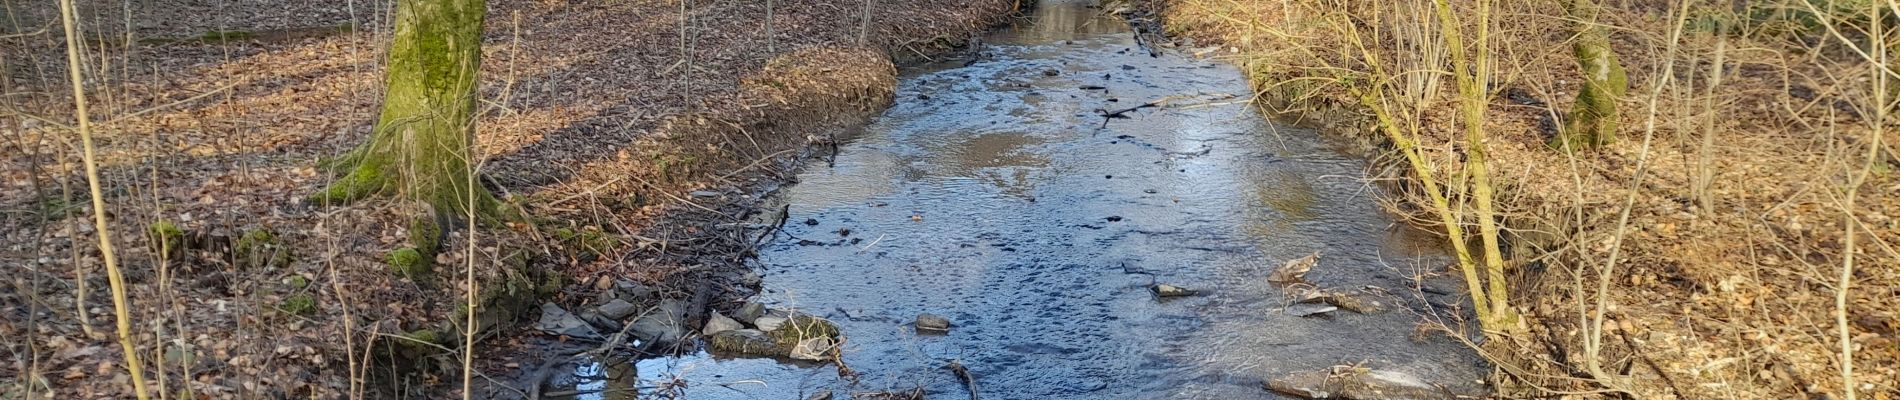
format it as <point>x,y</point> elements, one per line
<point>632,290</point>
<point>616,309</point>
<point>1358,385</point>
<point>821,395</point>
<point>665,325</point>
<point>932,323</point>
<point>749,312</point>
<point>769,323</point>
<point>719,323</point>
<point>814,349</point>
<point>748,342</point>
<point>557,320</point>
<point>600,321</point>
<point>1166,290</point>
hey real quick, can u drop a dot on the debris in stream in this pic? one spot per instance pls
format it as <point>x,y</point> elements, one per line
<point>932,323</point>
<point>1308,309</point>
<point>1357,383</point>
<point>963,374</point>
<point>1294,271</point>
<point>1166,290</point>
<point>814,349</point>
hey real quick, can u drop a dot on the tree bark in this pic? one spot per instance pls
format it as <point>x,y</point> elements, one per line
<point>421,147</point>
<point>1593,120</point>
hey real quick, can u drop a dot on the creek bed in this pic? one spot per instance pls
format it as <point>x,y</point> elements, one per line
<point>995,194</point>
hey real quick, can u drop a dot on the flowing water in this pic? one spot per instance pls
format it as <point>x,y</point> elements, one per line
<point>993,193</point>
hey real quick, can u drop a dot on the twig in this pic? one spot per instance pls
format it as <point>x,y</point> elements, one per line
<point>963,374</point>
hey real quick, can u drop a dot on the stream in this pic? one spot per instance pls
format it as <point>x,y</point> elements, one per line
<point>994,193</point>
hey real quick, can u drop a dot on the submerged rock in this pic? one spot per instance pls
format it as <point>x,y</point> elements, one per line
<point>932,323</point>
<point>1358,385</point>
<point>719,323</point>
<point>1166,290</point>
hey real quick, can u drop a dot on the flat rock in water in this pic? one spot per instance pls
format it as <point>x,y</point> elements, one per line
<point>1166,290</point>
<point>749,342</point>
<point>719,323</point>
<point>616,309</point>
<point>1357,385</point>
<point>557,320</point>
<point>932,323</point>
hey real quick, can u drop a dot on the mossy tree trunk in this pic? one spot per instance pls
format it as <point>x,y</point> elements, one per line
<point>421,147</point>
<point>1592,121</point>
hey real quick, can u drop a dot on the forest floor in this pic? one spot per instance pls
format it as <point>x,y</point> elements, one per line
<point>1729,267</point>
<point>637,134</point>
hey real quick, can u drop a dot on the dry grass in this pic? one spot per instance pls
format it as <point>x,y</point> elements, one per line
<point>1732,297</point>
<point>598,118</point>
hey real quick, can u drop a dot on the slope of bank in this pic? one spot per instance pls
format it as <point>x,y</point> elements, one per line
<point>1728,270</point>
<point>634,133</point>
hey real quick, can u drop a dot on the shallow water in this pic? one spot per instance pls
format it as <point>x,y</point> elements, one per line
<point>992,193</point>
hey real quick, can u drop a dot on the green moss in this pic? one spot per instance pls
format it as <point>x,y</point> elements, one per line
<point>425,233</point>
<point>258,248</point>
<point>409,263</point>
<point>801,327</point>
<point>166,238</point>
<point>297,282</point>
<point>588,239</point>
<point>299,304</point>
<point>422,337</point>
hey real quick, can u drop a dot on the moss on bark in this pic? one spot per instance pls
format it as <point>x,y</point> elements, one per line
<point>421,147</point>
<point>1593,120</point>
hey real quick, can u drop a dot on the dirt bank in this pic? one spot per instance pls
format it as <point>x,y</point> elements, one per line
<point>634,133</point>
<point>1728,271</point>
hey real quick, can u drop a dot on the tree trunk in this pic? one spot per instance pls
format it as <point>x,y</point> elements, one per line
<point>1592,121</point>
<point>421,147</point>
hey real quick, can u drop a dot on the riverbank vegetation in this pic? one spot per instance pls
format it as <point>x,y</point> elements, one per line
<point>365,199</point>
<point>1684,199</point>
